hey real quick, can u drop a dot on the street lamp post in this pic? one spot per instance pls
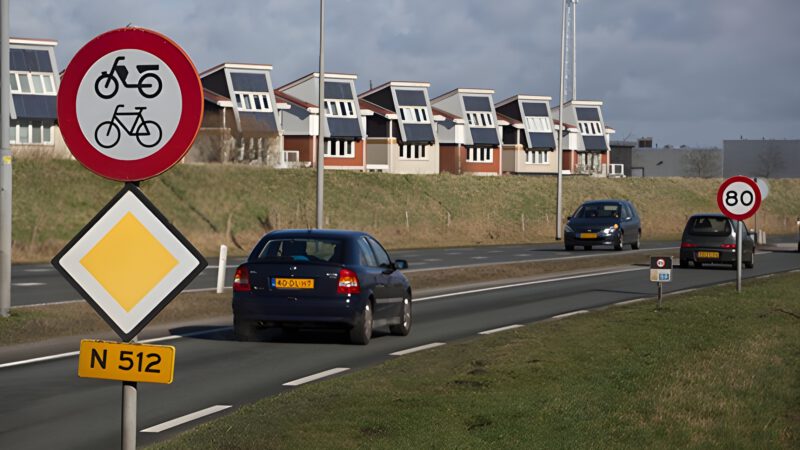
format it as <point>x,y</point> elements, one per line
<point>321,128</point>
<point>561,127</point>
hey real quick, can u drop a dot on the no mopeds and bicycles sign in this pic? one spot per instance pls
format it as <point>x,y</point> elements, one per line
<point>130,104</point>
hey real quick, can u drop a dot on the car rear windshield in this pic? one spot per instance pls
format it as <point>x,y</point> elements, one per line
<point>303,249</point>
<point>598,210</point>
<point>709,226</point>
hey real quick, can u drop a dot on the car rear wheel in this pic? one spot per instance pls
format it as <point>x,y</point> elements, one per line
<point>569,247</point>
<point>638,243</point>
<point>245,330</point>
<point>749,264</point>
<point>620,243</point>
<point>362,330</point>
<point>403,328</point>
<point>684,263</point>
<point>698,265</point>
<point>587,247</point>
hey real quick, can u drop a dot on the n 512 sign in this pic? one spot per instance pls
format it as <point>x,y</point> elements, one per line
<point>738,197</point>
<point>126,362</point>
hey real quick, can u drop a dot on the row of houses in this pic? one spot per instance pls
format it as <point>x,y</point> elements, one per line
<point>395,127</point>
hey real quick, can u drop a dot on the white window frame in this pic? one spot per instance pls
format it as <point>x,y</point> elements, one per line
<point>240,96</point>
<point>537,157</point>
<point>344,108</point>
<point>414,114</point>
<point>539,124</point>
<point>29,77</point>
<point>340,148</point>
<point>484,155</point>
<point>29,125</point>
<point>414,152</point>
<point>591,127</point>
<point>480,119</point>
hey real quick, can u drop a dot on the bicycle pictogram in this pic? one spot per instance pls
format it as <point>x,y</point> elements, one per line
<point>107,85</point>
<point>147,132</point>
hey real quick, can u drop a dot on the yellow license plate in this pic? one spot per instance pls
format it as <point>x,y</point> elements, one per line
<point>708,255</point>
<point>293,283</point>
<point>588,236</point>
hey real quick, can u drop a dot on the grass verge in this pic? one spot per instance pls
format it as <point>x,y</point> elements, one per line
<point>40,323</point>
<point>711,369</point>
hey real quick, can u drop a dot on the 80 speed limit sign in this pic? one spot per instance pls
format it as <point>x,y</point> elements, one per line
<point>738,197</point>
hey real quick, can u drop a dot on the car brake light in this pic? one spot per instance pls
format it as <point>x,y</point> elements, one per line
<point>241,280</point>
<point>688,245</point>
<point>728,245</point>
<point>348,282</point>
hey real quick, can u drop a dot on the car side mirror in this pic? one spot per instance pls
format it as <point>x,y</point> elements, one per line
<point>400,264</point>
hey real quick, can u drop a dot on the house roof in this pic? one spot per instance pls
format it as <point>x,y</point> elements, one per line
<point>566,125</point>
<point>416,84</point>
<point>230,65</point>
<point>217,99</point>
<point>32,41</point>
<point>523,97</point>
<point>463,91</point>
<point>290,98</point>
<point>379,110</point>
<point>508,119</point>
<point>328,75</point>
<point>443,113</point>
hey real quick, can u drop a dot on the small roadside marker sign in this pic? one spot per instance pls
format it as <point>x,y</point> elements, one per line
<point>126,362</point>
<point>129,262</point>
<point>661,269</point>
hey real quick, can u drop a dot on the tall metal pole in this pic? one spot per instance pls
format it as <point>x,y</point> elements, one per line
<point>574,6</point>
<point>739,251</point>
<point>129,395</point>
<point>5,165</point>
<point>321,129</point>
<point>559,228</point>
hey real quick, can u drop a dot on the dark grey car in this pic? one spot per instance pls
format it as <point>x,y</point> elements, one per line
<point>711,238</point>
<point>604,222</point>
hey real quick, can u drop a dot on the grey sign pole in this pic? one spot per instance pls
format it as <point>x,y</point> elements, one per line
<point>321,129</point>
<point>739,251</point>
<point>5,165</point>
<point>561,126</point>
<point>129,395</point>
<point>660,294</point>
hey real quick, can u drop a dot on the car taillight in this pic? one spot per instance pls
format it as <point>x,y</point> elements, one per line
<point>688,245</point>
<point>348,282</point>
<point>728,246</point>
<point>241,280</point>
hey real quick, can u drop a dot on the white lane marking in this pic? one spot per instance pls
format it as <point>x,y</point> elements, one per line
<point>39,270</point>
<point>229,266</point>
<point>420,263</point>
<point>495,251</point>
<point>184,419</point>
<point>316,376</point>
<point>27,284</point>
<point>522,255</point>
<point>528,283</point>
<point>417,349</point>
<point>145,341</point>
<point>682,291</point>
<point>432,259</point>
<point>497,330</point>
<point>480,257</point>
<point>569,314</point>
<point>517,261</point>
<point>630,302</point>
<point>47,304</point>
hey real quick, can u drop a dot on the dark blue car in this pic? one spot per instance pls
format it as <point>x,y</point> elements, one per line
<point>604,222</point>
<point>321,278</point>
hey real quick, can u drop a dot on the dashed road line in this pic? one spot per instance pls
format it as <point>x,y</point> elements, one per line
<point>316,376</point>
<point>570,314</point>
<point>417,349</point>
<point>498,330</point>
<point>185,419</point>
<point>27,284</point>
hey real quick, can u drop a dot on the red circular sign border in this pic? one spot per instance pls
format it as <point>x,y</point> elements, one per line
<point>191,109</point>
<point>738,178</point>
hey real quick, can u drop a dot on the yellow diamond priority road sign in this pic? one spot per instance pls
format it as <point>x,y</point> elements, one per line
<point>129,262</point>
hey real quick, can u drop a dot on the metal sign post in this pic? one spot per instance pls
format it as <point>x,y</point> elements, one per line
<point>739,198</point>
<point>660,273</point>
<point>5,165</point>
<point>129,107</point>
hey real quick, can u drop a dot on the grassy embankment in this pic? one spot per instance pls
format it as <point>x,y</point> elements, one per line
<point>712,369</point>
<point>233,204</point>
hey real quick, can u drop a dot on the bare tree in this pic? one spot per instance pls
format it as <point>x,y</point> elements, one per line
<point>702,163</point>
<point>770,160</point>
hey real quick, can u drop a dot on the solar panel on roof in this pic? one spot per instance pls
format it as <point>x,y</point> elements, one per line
<point>588,114</point>
<point>542,140</point>
<point>26,60</point>
<point>344,128</point>
<point>35,106</point>
<point>484,136</point>
<point>595,143</point>
<point>258,122</point>
<point>477,103</point>
<point>339,91</point>
<point>251,82</point>
<point>410,97</point>
<point>535,109</point>
<point>418,133</point>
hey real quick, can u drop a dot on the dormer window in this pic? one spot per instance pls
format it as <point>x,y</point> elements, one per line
<point>590,127</point>
<point>32,83</point>
<point>477,119</point>
<point>539,124</point>
<point>253,101</point>
<point>414,114</point>
<point>340,108</point>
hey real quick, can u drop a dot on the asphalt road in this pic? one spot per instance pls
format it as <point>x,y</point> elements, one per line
<point>45,404</point>
<point>33,284</point>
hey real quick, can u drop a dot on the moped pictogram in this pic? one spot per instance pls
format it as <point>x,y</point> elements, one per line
<point>107,85</point>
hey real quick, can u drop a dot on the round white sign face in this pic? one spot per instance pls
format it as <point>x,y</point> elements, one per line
<point>661,263</point>
<point>739,198</point>
<point>128,104</point>
<point>763,186</point>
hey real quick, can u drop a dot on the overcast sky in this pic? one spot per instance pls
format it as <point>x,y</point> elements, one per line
<point>682,71</point>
